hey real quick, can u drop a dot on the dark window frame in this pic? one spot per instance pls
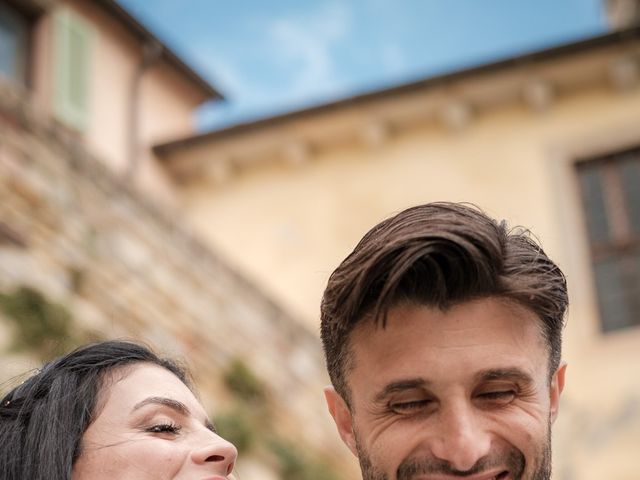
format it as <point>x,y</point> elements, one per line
<point>613,235</point>
<point>30,16</point>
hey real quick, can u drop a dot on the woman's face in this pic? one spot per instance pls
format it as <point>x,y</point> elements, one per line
<point>150,426</point>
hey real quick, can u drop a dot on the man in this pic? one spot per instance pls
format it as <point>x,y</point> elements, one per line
<point>442,336</point>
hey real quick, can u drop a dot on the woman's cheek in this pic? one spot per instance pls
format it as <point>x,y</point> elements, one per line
<point>160,459</point>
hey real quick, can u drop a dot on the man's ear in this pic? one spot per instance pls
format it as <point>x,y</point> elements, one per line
<point>342,417</point>
<point>557,385</point>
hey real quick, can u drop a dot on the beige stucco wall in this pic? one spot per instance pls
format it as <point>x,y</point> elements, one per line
<point>288,225</point>
<point>166,102</point>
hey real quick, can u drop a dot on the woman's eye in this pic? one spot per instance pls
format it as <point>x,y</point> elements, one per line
<point>408,407</point>
<point>164,428</point>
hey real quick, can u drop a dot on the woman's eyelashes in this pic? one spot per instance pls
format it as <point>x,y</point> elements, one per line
<point>164,427</point>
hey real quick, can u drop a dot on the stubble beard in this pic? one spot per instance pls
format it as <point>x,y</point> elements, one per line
<point>410,468</point>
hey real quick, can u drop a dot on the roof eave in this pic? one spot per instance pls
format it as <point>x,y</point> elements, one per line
<point>528,58</point>
<point>140,32</point>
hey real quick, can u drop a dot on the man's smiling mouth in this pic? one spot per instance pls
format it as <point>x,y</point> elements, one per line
<point>501,475</point>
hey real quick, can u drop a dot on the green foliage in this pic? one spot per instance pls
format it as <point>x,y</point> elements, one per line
<point>250,425</point>
<point>42,326</point>
<point>295,465</point>
<point>240,380</point>
<point>237,427</point>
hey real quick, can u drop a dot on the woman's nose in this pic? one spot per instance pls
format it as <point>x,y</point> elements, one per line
<point>217,451</point>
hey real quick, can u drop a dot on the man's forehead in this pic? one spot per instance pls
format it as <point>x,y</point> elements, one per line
<point>469,328</point>
<point>394,317</point>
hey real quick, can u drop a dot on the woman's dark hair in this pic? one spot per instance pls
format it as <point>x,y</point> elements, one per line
<point>438,254</point>
<point>42,421</point>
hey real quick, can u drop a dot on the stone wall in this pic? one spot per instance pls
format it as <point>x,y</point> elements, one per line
<point>123,268</point>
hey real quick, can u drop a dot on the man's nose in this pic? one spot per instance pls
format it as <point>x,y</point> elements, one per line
<point>460,438</point>
<point>217,452</point>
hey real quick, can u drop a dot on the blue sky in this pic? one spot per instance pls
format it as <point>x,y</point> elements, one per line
<point>274,56</point>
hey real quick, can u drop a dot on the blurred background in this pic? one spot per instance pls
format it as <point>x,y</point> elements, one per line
<point>189,173</point>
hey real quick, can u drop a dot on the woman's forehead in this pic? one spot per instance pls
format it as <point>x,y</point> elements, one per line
<point>124,386</point>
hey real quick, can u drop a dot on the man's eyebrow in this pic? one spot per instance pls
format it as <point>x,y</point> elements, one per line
<point>514,374</point>
<point>179,407</point>
<point>399,386</point>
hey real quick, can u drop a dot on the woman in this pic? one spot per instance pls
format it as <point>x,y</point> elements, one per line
<point>111,410</point>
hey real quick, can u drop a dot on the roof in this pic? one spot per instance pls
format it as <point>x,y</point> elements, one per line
<point>31,8</point>
<point>606,40</point>
<point>141,33</point>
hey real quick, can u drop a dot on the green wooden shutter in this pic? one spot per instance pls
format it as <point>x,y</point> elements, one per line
<point>72,62</point>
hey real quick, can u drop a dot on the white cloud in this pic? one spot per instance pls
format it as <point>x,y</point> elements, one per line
<point>305,41</point>
<point>298,45</point>
<point>232,78</point>
<point>224,73</point>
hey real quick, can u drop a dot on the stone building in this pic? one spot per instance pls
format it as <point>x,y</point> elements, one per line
<point>622,13</point>
<point>267,209</point>
<point>549,140</point>
<point>110,81</point>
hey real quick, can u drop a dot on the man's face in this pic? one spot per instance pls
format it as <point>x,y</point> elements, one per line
<point>458,394</point>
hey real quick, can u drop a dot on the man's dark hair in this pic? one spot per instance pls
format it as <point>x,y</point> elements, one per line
<point>439,255</point>
<point>42,421</point>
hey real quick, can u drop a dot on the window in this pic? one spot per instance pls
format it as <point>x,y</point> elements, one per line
<point>610,189</point>
<point>72,64</point>
<point>14,31</point>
